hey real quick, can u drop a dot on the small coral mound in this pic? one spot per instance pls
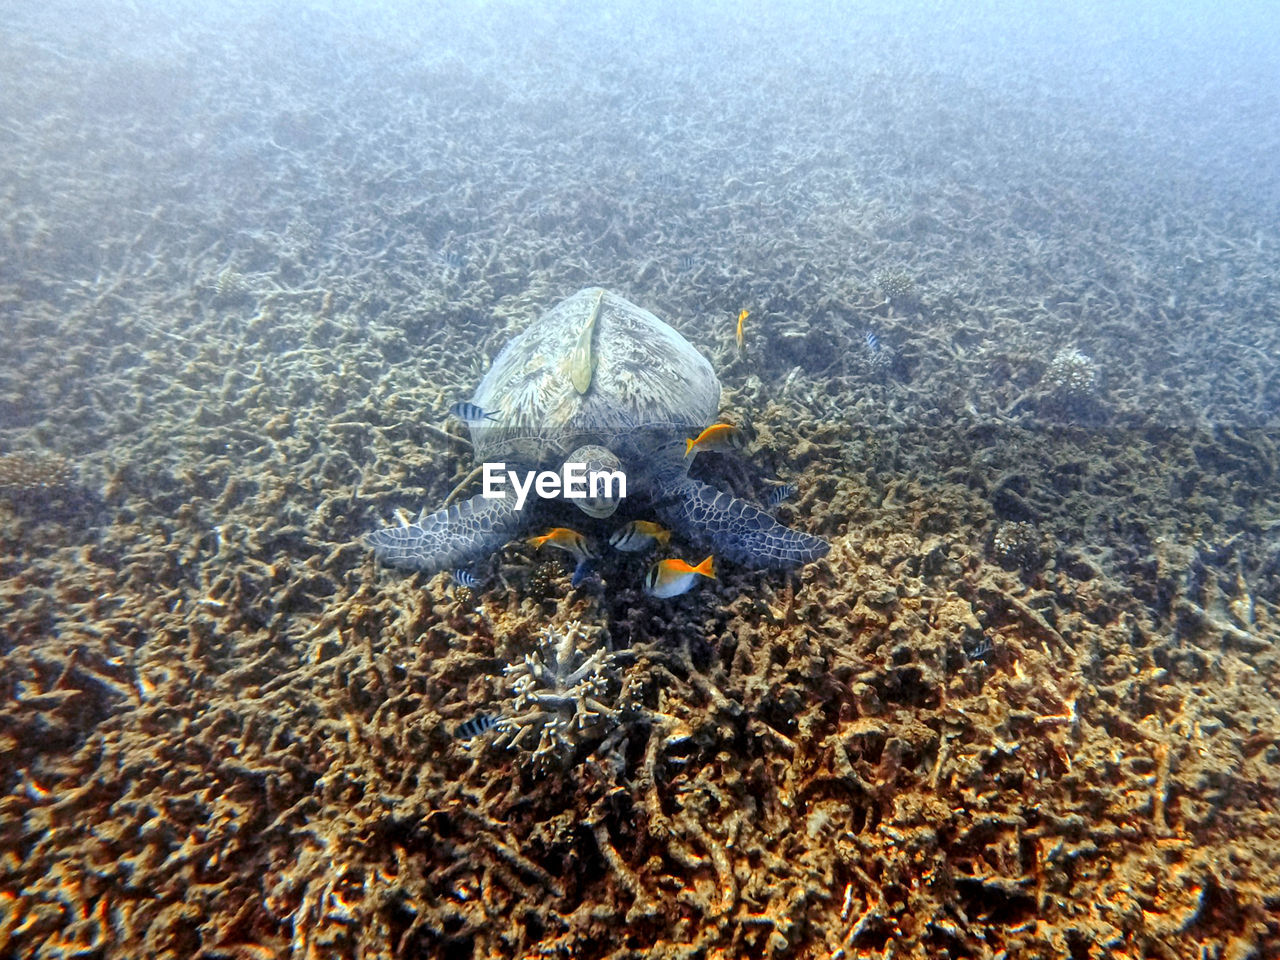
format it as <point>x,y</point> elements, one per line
<point>541,581</point>
<point>25,473</point>
<point>1016,546</point>
<point>1069,388</point>
<point>897,285</point>
<point>1071,375</point>
<point>229,285</point>
<point>558,692</point>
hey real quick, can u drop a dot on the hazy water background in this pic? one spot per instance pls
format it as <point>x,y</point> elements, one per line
<point>232,122</point>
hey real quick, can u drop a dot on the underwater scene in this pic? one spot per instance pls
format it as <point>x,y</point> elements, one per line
<point>668,480</point>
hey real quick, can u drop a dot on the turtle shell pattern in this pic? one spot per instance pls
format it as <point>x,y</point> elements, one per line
<point>650,387</point>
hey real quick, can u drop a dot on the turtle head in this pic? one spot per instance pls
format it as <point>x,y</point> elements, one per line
<point>604,471</point>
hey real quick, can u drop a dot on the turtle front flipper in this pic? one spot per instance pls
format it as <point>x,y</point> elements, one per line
<point>451,537</point>
<point>736,529</point>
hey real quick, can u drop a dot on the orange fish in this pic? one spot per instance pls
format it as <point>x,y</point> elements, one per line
<point>718,436</point>
<point>670,578</point>
<point>565,539</point>
<point>742,341</point>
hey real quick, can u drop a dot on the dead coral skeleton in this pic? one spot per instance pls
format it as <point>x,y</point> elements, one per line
<point>27,472</point>
<point>558,691</point>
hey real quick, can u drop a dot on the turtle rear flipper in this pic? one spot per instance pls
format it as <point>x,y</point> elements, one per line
<point>451,537</point>
<point>736,529</point>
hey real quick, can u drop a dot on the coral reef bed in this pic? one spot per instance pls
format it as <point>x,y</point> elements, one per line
<point>1025,707</point>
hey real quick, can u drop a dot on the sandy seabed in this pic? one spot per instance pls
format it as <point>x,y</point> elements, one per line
<point>1025,707</point>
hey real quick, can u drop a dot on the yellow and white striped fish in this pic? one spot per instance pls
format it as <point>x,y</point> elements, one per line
<point>670,578</point>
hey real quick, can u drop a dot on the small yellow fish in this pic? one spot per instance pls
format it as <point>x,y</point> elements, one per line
<point>718,436</point>
<point>670,578</point>
<point>566,539</point>
<point>742,340</point>
<point>639,535</point>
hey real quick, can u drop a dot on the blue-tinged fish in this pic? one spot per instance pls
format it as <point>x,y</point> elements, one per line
<point>670,578</point>
<point>688,261</point>
<point>583,572</point>
<point>778,495</point>
<point>639,535</point>
<point>877,355</point>
<point>470,412</point>
<point>566,539</point>
<point>480,723</point>
<point>465,578</point>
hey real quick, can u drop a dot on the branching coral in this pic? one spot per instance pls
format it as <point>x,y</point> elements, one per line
<point>224,735</point>
<point>558,697</point>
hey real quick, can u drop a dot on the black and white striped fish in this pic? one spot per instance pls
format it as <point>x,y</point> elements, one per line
<point>465,578</point>
<point>480,723</point>
<point>876,354</point>
<point>639,535</point>
<point>979,651</point>
<point>778,495</point>
<point>470,412</point>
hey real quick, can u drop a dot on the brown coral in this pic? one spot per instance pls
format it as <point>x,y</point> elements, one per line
<point>224,733</point>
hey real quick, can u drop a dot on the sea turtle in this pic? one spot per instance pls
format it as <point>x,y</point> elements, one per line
<point>601,381</point>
